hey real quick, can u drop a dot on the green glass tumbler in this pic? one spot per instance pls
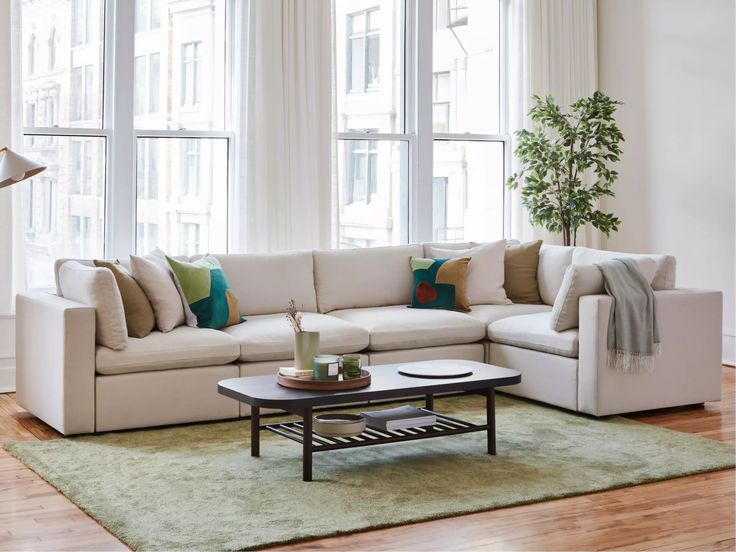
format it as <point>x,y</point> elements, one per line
<point>351,366</point>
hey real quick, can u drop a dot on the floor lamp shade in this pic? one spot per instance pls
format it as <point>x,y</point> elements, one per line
<point>15,167</point>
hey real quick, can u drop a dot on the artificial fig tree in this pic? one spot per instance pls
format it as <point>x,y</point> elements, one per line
<point>565,164</point>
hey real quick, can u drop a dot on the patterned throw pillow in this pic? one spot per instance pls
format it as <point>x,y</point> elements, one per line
<point>440,283</point>
<point>207,292</point>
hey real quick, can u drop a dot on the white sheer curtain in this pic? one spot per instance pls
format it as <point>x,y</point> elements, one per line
<point>284,124</point>
<point>552,49</point>
<point>12,246</point>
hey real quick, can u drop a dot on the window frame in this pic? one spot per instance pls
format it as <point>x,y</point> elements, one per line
<point>119,189</point>
<point>417,104</point>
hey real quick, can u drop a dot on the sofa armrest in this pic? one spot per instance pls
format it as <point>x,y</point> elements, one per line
<point>55,361</point>
<point>687,372</point>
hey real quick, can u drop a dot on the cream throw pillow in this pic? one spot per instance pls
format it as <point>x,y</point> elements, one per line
<point>582,280</point>
<point>485,272</point>
<point>157,281</point>
<point>96,287</point>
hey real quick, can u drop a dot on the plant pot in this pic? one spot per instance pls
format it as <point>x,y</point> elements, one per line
<point>306,345</point>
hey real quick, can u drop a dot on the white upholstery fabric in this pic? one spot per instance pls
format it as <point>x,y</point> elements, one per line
<point>269,336</point>
<point>553,261</point>
<point>485,271</point>
<point>687,372</point>
<point>401,327</point>
<point>491,313</point>
<point>97,288</point>
<point>663,276</point>
<point>161,398</point>
<point>373,277</point>
<point>545,377</point>
<point>582,280</point>
<point>532,331</point>
<point>55,361</point>
<point>454,246</point>
<point>180,348</point>
<point>264,283</point>
<point>469,351</point>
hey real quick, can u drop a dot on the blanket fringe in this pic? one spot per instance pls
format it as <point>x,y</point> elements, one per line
<point>625,361</point>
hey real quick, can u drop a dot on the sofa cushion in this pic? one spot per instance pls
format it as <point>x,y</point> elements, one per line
<point>553,261</point>
<point>182,347</point>
<point>485,273</point>
<point>269,336</point>
<point>520,264</point>
<point>373,277</point>
<point>399,327</point>
<point>96,287</point>
<point>264,282</point>
<point>532,331</point>
<point>440,283</point>
<point>139,317</point>
<point>583,280</point>
<point>664,269</point>
<point>491,313</point>
<point>157,280</point>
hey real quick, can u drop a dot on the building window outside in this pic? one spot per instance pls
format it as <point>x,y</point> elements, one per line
<point>190,72</point>
<point>363,50</point>
<point>362,180</point>
<point>154,83</point>
<point>147,15</point>
<point>457,13</point>
<point>441,101</point>
<point>51,59</point>
<point>189,239</point>
<point>31,55</point>
<point>191,158</point>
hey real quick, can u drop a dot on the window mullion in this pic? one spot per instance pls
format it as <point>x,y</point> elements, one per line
<point>119,107</point>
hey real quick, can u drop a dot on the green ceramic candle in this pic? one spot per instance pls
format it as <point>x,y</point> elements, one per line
<point>326,367</point>
<point>350,366</point>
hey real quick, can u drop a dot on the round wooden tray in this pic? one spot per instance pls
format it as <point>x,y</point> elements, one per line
<point>326,385</point>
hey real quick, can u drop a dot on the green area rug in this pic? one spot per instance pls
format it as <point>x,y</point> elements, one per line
<point>197,487</point>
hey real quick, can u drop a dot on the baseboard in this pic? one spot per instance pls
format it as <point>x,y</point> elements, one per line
<point>7,375</point>
<point>729,350</point>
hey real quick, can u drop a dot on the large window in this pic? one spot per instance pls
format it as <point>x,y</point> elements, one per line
<point>170,119</point>
<point>421,153</point>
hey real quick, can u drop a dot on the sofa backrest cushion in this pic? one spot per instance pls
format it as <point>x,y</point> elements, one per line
<point>553,261</point>
<point>265,282</point>
<point>372,277</point>
<point>664,273</point>
<point>485,273</point>
<point>96,287</point>
<point>429,246</point>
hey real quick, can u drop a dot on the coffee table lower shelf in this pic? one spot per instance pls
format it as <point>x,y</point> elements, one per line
<point>446,425</point>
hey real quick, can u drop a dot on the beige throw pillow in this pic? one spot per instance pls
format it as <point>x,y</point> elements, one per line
<point>96,287</point>
<point>582,280</point>
<point>158,283</point>
<point>520,272</point>
<point>139,317</point>
<point>485,272</point>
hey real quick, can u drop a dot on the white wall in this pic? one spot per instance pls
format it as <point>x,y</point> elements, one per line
<point>672,63</point>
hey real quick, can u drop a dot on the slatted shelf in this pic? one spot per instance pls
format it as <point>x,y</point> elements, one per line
<point>446,425</point>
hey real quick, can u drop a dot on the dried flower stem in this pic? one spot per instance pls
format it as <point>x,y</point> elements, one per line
<point>294,317</point>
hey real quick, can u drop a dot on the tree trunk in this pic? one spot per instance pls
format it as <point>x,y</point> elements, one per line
<point>565,233</point>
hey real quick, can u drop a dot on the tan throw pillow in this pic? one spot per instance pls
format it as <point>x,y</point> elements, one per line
<point>485,272</point>
<point>582,280</point>
<point>158,283</point>
<point>139,317</point>
<point>97,288</point>
<point>520,272</point>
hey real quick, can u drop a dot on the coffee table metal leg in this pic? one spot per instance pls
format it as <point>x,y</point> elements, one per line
<point>255,431</point>
<point>491,419</point>
<point>307,446</point>
<point>429,402</point>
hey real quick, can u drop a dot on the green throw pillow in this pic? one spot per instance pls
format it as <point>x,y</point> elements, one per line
<point>206,291</point>
<point>440,283</point>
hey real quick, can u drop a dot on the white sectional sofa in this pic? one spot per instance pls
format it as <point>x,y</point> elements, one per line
<point>357,300</point>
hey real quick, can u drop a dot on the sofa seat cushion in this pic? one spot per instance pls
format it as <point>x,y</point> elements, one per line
<point>532,331</point>
<point>491,313</point>
<point>182,347</point>
<point>400,327</point>
<point>270,337</point>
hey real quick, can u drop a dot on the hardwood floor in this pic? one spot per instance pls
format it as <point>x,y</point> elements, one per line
<point>689,513</point>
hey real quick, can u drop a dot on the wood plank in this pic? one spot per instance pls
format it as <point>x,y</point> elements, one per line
<point>689,513</point>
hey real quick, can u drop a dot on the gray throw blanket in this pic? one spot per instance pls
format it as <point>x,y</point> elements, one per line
<point>633,340</point>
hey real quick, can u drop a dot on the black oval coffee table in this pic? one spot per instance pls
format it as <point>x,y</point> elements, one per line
<point>386,383</point>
